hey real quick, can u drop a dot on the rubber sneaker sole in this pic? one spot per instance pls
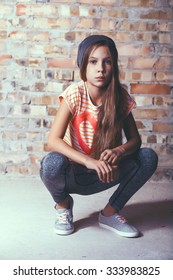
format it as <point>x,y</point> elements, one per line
<point>121,233</point>
<point>63,232</point>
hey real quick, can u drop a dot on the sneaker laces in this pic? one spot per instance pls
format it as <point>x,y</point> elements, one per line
<point>121,219</point>
<point>63,217</point>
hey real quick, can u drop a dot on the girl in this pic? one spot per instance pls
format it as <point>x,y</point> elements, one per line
<point>88,154</point>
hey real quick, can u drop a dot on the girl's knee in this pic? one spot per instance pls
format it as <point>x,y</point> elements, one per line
<point>52,165</point>
<point>149,157</point>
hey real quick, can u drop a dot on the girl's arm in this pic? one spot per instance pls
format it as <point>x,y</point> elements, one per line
<point>132,135</point>
<point>133,143</point>
<point>57,144</point>
<point>57,132</point>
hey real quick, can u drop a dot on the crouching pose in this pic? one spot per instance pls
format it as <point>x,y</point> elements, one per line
<point>88,155</point>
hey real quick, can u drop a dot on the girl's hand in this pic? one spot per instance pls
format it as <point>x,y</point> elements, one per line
<point>104,169</point>
<point>112,156</point>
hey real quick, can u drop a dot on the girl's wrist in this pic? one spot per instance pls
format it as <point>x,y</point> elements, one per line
<point>85,161</point>
<point>121,151</point>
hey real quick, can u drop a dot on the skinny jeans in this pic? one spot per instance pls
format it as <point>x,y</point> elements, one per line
<point>63,177</point>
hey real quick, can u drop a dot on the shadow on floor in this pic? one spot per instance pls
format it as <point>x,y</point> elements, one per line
<point>149,215</point>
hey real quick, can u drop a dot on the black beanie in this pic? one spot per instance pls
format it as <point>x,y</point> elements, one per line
<point>91,40</point>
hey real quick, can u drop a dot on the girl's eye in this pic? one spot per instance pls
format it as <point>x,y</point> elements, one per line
<point>93,61</point>
<point>108,61</point>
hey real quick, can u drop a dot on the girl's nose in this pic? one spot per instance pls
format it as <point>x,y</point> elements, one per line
<point>100,67</point>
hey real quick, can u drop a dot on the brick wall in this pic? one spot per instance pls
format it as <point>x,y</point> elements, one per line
<point>38,46</point>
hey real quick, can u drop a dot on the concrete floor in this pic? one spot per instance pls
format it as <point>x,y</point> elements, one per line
<point>27,218</point>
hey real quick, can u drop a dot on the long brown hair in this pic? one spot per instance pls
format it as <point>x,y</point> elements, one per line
<point>109,128</point>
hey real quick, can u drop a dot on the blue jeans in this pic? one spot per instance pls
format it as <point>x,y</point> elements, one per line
<point>63,177</point>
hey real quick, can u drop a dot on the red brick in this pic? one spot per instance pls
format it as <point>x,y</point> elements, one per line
<point>92,11</point>
<point>165,38</point>
<point>144,63</point>
<point>140,125</point>
<point>117,13</point>
<point>137,3</point>
<point>36,62</point>
<point>164,76</point>
<point>143,26</point>
<point>162,127</point>
<point>52,111</point>
<point>136,76</point>
<point>21,10</point>
<point>62,50</point>
<point>61,63</point>
<point>150,113</point>
<point>74,11</point>
<point>150,89</point>
<point>86,23</point>
<point>157,14</point>
<point>164,63</point>
<point>4,58</point>
<point>3,35</point>
<point>159,101</point>
<point>166,26</point>
<point>70,36</point>
<point>152,139</point>
<point>46,147</point>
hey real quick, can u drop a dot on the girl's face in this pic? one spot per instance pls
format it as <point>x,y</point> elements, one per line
<point>99,67</point>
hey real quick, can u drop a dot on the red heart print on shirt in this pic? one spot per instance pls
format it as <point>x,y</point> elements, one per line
<point>82,123</point>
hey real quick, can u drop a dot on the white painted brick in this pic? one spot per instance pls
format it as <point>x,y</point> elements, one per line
<point>55,87</point>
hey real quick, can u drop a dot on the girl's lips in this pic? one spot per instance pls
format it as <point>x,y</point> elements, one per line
<point>100,78</point>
